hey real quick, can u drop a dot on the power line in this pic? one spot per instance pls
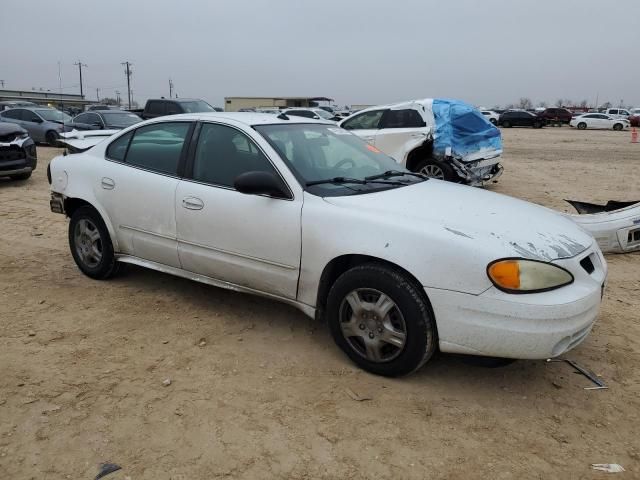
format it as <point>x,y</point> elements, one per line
<point>80,65</point>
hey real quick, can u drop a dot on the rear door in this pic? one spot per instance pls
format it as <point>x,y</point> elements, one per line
<point>365,125</point>
<point>249,240</point>
<point>137,186</point>
<point>400,132</point>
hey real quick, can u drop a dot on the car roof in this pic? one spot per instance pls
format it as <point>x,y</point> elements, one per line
<point>247,118</point>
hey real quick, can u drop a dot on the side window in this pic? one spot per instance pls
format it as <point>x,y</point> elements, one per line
<point>155,108</point>
<point>15,114</point>
<point>223,153</point>
<point>408,118</point>
<point>158,147</point>
<point>118,148</point>
<point>173,108</point>
<point>82,118</point>
<point>613,111</point>
<point>364,121</point>
<point>624,112</point>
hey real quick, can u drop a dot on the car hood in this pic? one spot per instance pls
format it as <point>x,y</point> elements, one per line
<point>499,225</point>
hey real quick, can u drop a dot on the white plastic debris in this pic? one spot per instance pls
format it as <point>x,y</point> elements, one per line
<point>607,467</point>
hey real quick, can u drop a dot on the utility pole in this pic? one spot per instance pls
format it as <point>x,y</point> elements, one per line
<point>98,94</point>
<point>170,89</point>
<point>80,65</point>
<point>128,74</point>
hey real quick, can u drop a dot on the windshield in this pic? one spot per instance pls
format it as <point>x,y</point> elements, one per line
<point>196,106</point>
<point>321,152</point>
<point>52,115</point>
<point>323,114</point>
<point>120,119</point>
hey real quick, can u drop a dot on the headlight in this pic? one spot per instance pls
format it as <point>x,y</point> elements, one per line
<point>517,275</point>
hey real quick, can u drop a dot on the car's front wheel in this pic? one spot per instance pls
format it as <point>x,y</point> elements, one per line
<point>382,320</point>
<point>493,121</point>
<point>52,138</point>
<point>91,245</point>
<point>506,124</point>
<point>617,127</point>
<point>435,169</point>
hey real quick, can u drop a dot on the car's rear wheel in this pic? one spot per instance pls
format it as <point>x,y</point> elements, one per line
<point>91,245</point>
<point>493,120</point>
<point>52,138</point>
<point>435,169</point>
<point>582,126</point>
<point>617,127</point>
<point>537,124</point>
<point>21,176</point>
<point>506,124</point>
<point>381,320</point>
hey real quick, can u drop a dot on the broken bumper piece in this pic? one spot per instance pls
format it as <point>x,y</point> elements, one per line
<point>615,225</point>
<point>479,172</point>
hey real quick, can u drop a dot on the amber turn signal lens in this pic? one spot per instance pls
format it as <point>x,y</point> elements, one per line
<point>506,274</point>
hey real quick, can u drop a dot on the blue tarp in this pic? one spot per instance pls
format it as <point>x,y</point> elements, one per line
<point>464,129</point>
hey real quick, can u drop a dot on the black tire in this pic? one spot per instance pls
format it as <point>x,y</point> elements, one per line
<point>582,126</point>
<point>493,120</point>
<point>21,176</point>
<point>617,127</point>
<point>429,166</point>
<point>506,124</point>
<point>106,266</point>
<point>537,124</point>
<point>410,305</point>
<point>52,138</point>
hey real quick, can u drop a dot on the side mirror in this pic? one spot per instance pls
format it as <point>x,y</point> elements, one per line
<point>316,117</point>
<point>260,183</point>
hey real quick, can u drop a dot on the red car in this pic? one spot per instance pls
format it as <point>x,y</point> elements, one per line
<point>634,120</point>
<point>556,115</point>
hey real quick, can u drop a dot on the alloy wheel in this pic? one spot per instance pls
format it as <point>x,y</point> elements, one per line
<point>88,243</point>
<point>432,171</point>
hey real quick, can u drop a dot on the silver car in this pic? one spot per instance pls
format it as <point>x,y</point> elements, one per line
<point>43,124</point>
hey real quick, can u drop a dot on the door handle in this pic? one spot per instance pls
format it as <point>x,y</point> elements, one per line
<point>107,183</point>
<point>418,135</point>
<point>192,203</point>
<point>368,139</point>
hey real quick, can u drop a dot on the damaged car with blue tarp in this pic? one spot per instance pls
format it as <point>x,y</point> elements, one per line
<point>441,138</point>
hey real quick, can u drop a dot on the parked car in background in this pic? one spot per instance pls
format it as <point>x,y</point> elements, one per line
<point>491,116</point>
<point>311,112</point>
<point>556,115</point>
<point>599,120</point>
<point>43,124</point>
<point>399,266</point>
<point>7,104</point>
<point>440,138</point>
<point>618,112</point>
<point>102,107</point>
<point>161,107</point>
<point>105,119</point>
<point>18,155</point>
<point>520,118</point>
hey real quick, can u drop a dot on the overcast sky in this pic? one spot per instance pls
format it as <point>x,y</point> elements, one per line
<point>357,51</point>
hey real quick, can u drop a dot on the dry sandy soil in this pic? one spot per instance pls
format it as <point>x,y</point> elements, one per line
<point>82,365</point>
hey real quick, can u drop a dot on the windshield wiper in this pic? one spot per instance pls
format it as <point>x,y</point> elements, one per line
<point>396,173</point>
<point>351,180</point>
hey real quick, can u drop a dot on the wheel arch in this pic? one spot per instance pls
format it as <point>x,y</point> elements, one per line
<point>417,154</point>
<point>337,266</point>
<point>71,204</point>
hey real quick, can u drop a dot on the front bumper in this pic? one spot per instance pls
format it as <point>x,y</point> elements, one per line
<point>478,172</point>
<point>528,326</point>
<point>17,157</point>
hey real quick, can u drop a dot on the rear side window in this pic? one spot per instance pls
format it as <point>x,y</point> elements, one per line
<point>364,121</point>
<point>158,147</point>
<point>223,153</point>
<point>155,108</point>
<point>118,148</point>
<point>408,118</point>
<point>173,108</point>
<point>15,114</point>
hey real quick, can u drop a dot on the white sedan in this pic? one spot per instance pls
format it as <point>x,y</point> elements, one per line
<point>306,213</point>
<point>490,115</point>
<point>599,120</point>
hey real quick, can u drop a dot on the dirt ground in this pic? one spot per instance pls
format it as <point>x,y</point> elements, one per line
<point>82,365</point>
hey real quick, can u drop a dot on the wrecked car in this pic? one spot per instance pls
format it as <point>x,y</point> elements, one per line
<point>441,138</point>
<point>615,225</point>
<point>304,212</point>
<point>18,155</point>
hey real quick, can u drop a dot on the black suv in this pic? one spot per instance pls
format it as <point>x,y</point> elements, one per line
<point>18,157</point>
<point>520,118</point>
